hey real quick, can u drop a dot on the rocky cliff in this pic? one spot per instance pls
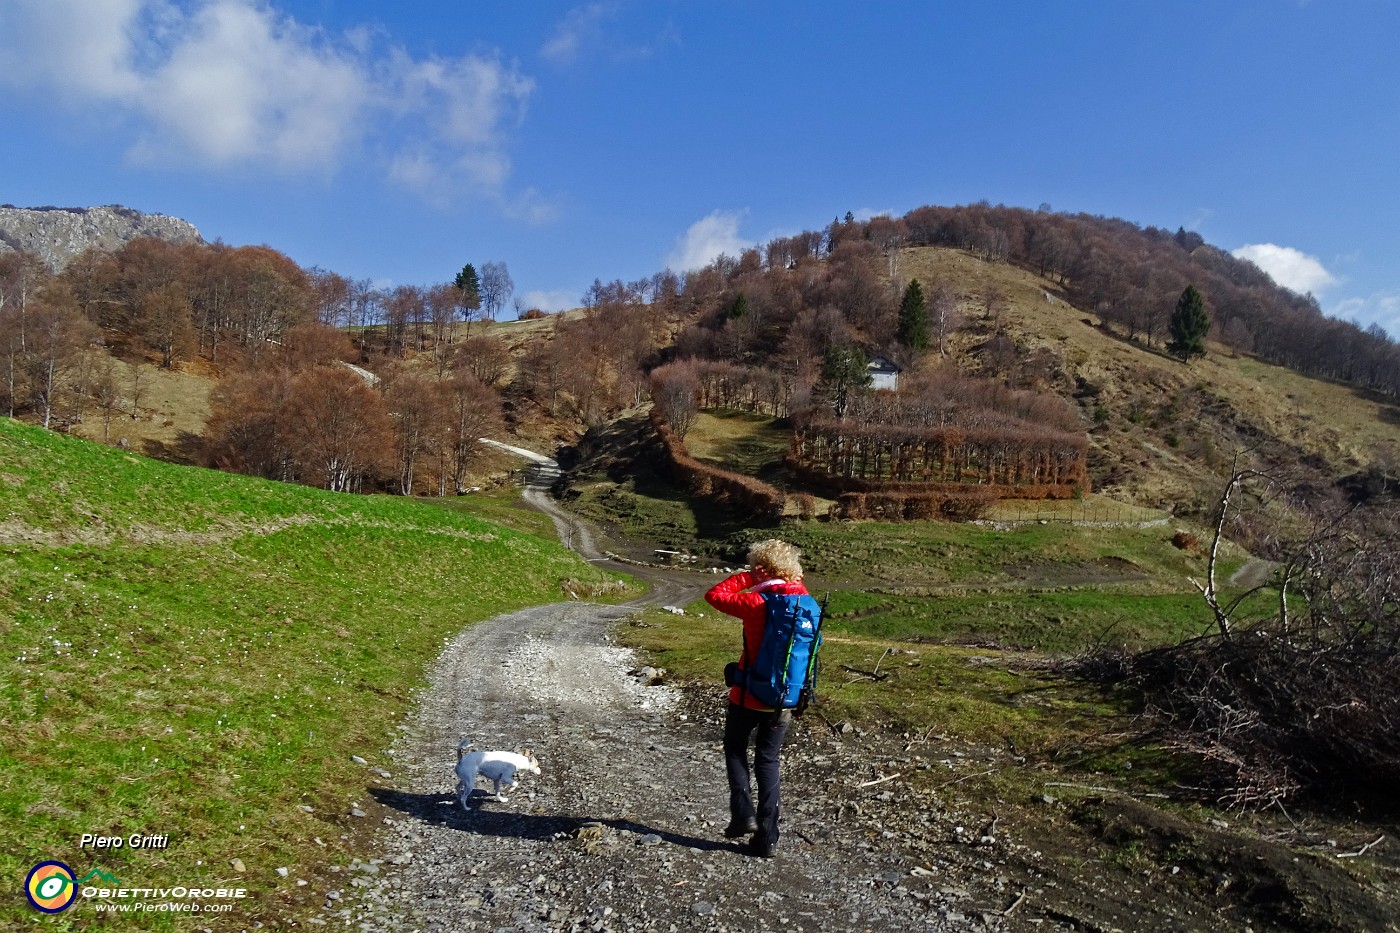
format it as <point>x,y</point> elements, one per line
<point>57,234</point>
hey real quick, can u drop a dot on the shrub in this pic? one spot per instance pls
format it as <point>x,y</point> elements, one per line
<point>1186,541</point>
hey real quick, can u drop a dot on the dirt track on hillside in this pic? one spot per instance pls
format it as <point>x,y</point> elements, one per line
<point>622,831</point>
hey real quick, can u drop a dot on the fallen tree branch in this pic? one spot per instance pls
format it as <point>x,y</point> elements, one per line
<point>879,780</point>
<point>921,740</point>
<point>967,777</point>
<point>1362,851</point>
<point>874,675</point>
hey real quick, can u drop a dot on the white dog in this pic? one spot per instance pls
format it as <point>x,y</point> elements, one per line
<point>497,767</point>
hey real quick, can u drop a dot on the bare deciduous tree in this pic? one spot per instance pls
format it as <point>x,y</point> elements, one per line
<point>474,413</point>
<point>944,317</point>
<point>420,412</point>
<point>675,390</point>
<point>484,357</point>
<point>55,341</point>
<point>107,393</point>
<point>337,428</point>
<point>496,287</point>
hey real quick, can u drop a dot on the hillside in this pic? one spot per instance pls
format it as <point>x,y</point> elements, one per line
<point>202,655</point>
<point>1161,431</point>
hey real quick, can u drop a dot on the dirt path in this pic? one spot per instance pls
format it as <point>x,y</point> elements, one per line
<point>622,830</point>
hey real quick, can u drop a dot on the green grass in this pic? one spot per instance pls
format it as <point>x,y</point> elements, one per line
<point>500,506</point>
<point>198,654</point>
<point>1054,623</point>
<point>1090,508</point>
<point>976,695</point>
<point>1036,724</point>
<point>1053,587</point>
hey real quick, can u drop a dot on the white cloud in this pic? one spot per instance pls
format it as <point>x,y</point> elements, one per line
<point>241,85</point>
<point>1291,268</point>
<point>585,32</point>
<point>235,83</point>
<point>869,213</point>
<point>559,299</point>
<point>1381,308</point>
<point>80,46</point>
<point>531,208</point>
<point>706,239</point>
<point>580,27</point>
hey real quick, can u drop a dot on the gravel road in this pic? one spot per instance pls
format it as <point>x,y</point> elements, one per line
<point>622,830</point>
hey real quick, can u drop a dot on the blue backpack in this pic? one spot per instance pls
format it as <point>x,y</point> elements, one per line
<point>783,672</point>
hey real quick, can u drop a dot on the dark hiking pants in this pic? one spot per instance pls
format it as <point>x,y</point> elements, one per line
<point>768,730</point>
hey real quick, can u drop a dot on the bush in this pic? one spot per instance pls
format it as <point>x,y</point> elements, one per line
<point>962,505</point>
<point>1186,541</point>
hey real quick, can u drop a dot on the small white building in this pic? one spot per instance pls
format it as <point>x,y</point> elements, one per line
<point>883,374</point>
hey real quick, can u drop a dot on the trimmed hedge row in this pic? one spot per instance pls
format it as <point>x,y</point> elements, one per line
<point>839,485</point>
<point>734,492</point>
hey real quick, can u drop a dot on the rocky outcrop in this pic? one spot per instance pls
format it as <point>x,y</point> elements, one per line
<point>57,234</point>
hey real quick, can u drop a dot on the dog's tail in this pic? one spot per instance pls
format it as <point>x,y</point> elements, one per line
<point>463,747</point>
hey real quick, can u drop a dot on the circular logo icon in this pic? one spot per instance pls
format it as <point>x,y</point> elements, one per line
<point>50,887</point>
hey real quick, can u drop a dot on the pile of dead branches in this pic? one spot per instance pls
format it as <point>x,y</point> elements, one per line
<point>1304,702</point>
<point>1270,719</point>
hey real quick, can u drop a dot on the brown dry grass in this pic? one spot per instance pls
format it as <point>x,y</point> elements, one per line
<point>737,440</point>
<point>1161,432</point>
<point>172,403</point>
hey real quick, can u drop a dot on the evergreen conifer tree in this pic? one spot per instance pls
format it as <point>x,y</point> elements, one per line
<point>845,371</point>
<point>1188,326</point>
<point>913,325</point>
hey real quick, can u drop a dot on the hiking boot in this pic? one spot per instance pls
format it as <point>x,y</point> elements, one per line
<point>761,848</point>
<point>737,828</point>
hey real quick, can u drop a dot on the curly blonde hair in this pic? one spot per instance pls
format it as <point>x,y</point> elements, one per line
<point>779,557</point>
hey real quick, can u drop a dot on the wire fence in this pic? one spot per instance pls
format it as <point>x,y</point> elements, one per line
<point>1073,513</point>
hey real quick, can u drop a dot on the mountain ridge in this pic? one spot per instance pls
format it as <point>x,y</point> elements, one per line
<point>59,234</point>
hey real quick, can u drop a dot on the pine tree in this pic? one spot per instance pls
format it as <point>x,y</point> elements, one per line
<point>1188,326</point>
<point>845,371</point>
<point>913,326</point>
<point>469,285</point>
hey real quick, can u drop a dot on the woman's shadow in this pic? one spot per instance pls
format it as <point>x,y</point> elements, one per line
<point>444,810</point>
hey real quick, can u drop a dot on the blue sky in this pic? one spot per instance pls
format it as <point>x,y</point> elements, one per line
<point>396,141</point>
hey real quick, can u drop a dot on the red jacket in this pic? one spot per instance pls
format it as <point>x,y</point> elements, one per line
<point>741,596</point>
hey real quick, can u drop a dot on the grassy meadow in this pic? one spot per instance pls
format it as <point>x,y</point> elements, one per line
<point>952,633</point>
<point>1050,577</point>
<point>946,629</point>
<point>739,441</point>
<point>201,655</point>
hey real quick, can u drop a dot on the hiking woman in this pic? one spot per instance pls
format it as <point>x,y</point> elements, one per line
<point>774,570</point>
